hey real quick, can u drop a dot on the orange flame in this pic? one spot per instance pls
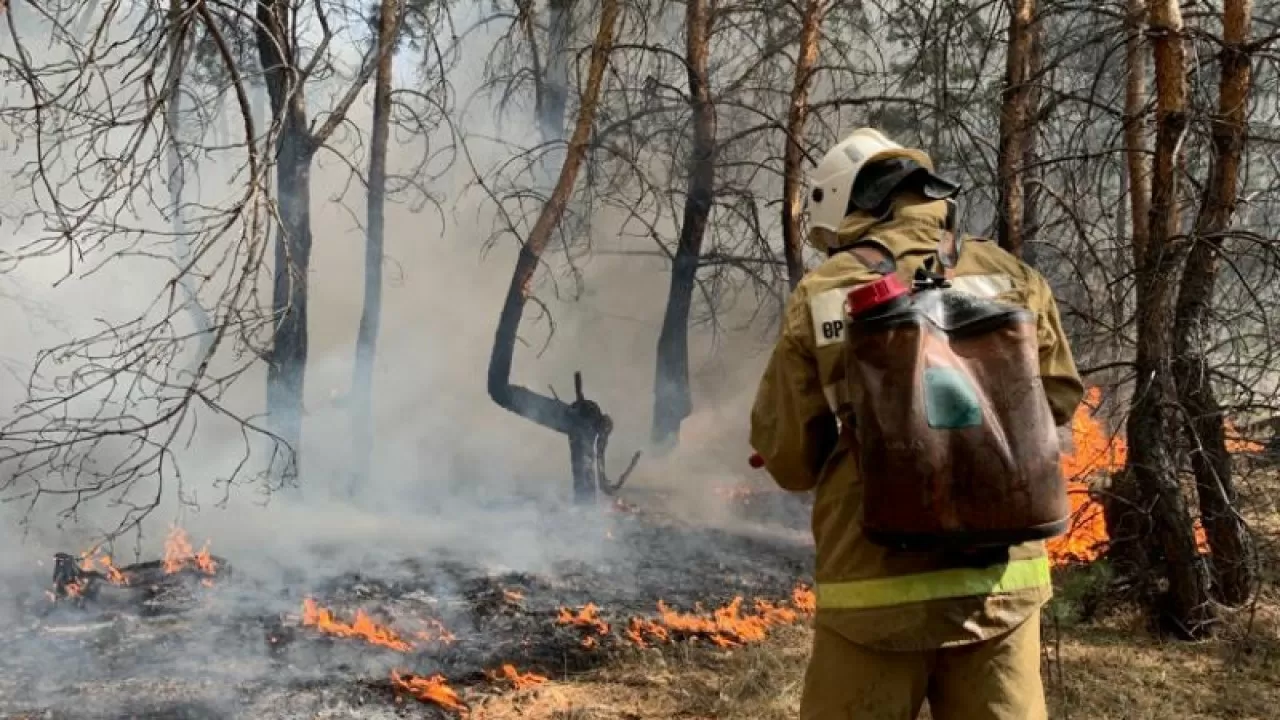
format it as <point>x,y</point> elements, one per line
<point>1098,451</point>
<point>638,628</point>
<point>588,617</point>
<point>518,680</point>
<point>112,573</point>
<point>434,689</point>
<point>1237,443</point>
<point>803,599</point>
<point>727,626</point>
<point>1094,449</point>
<point>363,627</point>
<point>514,597</point>
<point>179,554</point>
<point>204,561</point>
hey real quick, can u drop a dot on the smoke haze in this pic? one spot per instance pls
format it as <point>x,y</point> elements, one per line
<point>453,473</point>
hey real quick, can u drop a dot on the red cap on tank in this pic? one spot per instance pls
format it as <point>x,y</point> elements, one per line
<point>866,297</point>
<point>756,461</point>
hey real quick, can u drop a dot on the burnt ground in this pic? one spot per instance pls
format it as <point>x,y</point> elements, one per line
<point>172,647</point>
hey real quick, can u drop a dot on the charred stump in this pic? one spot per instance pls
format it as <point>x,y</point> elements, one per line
<point>589,429</point>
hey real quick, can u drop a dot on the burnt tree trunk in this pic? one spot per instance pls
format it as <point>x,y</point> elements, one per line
<point>1015,125</point>
<point>570,419</point>
<point>287,359</point>
<point>296,144</point>
<point>1211,462</point>
<point>672,400</point>
<point>362,422</point>
<point>797,117</point>
<point>1151,426</point>
<point>1128,549</point>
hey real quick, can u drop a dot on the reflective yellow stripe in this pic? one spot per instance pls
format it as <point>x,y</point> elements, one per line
<point>961,582</point>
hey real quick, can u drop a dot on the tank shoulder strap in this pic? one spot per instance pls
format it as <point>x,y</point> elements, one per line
<point>874,256</point>
<point>950,242</point>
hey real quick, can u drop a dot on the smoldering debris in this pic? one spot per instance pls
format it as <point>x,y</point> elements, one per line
<point>425,636</point>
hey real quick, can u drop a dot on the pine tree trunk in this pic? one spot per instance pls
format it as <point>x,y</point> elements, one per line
<point>287,359</point>
<point>672,401</point>
<point>1128,549</point>
<point>362,420</point>
<point>1030,175</point>
<point>201,323</point>
<point>797,117</point>
<point>1015,126</point>
<point>555,84</point>
<point>1151,425</point>
<point>1228,536</point>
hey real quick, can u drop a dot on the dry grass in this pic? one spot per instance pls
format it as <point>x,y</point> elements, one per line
<point>1111,671</point>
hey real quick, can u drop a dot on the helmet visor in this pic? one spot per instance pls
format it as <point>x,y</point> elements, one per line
<point>878,180</point>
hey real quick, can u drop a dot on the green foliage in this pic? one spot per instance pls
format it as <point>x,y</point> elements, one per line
<point>1079,589</point>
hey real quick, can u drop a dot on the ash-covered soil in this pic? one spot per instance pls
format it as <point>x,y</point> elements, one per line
<point>176,647</point>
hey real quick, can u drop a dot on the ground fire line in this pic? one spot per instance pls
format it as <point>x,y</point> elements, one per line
<point>728,626</point>
<point>455,634</point>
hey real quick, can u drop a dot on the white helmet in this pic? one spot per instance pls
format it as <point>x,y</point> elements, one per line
<point>832,181</point>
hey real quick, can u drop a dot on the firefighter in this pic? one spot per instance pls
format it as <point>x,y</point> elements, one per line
<point>895,628</point>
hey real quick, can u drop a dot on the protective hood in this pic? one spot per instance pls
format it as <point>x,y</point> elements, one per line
<point>913,219</point>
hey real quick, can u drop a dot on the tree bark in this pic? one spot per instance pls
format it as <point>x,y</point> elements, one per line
<point>1030,174</point>
<point>552,413</point>
<point>1137,162</point>
<point>201,322</point>
<point>797,117</point>
<point>672,401</point>
<point>295,147</point>
<point>1129,526</point>
<point>1015,125</point>
<point>362,421</point>
<point>286,362</point>
<point>555,84</point>
<point>1150,425</point>
<point>1211,462</point>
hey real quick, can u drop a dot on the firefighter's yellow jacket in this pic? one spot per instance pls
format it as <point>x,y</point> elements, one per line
<point>881,598</point>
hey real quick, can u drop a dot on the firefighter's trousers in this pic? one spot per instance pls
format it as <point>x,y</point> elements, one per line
<point>997,679</point>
